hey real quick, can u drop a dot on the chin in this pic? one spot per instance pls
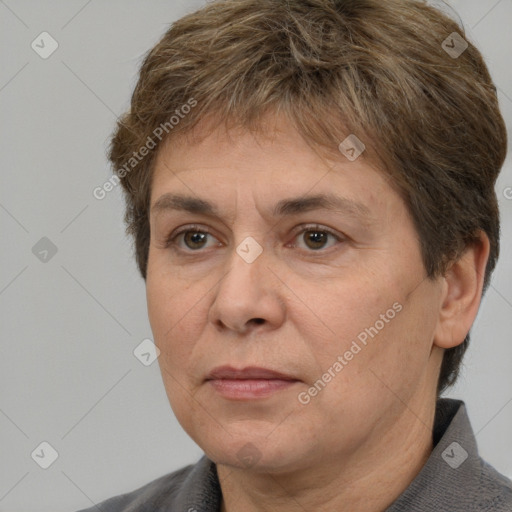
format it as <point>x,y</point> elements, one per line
<point>274,454</point>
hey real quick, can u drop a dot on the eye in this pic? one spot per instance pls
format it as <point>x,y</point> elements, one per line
<point>311,238</point>
<point>191,238</point>
<point>317,237</point>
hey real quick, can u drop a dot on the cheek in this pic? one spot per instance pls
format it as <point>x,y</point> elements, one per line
<point>166,293</point>
<point>177,315</point>
<point>394,360</point>
<point>348,310</point>
<point>159,302</point>
<point>369,324</point>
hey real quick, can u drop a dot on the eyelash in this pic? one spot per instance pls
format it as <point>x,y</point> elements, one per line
<point>171,240</point>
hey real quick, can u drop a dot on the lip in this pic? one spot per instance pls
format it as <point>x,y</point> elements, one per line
<point>248,383</point>
<point>250,372</point>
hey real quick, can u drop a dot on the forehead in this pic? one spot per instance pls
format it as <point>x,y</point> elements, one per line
<point>176,202</point>
<point>285,173</point>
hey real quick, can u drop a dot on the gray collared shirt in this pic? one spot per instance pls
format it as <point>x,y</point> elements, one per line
<point>454,479</point>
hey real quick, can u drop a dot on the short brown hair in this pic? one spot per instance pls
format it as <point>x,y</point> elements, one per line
<point>374,68</point>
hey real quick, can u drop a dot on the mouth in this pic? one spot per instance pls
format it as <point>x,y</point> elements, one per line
<point>248,383</point>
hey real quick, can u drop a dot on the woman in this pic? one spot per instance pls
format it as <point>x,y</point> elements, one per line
<point>310,188</point>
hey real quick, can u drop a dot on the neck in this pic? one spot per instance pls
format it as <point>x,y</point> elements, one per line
<point>367,480</point>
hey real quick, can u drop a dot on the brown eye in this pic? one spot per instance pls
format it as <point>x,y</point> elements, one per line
<point>317,238</point>
<point>195,239</point>
<point>191,239</point>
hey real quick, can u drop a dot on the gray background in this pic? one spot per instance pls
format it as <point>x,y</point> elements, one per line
<point>69,325</point>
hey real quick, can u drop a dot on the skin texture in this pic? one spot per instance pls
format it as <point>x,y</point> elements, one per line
<point>359,442</point>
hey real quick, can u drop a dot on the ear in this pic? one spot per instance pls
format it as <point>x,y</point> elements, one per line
<point>461,294</point>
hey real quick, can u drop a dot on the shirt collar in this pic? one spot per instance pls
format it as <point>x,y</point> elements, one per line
<point>453,468</point>
<point>200,491</point>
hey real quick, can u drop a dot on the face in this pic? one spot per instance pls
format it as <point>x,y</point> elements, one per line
<point>267,257</point>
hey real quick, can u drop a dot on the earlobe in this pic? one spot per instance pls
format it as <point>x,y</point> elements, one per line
<point>461,294</point>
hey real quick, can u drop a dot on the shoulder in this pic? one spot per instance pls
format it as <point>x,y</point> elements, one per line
<point>494,490</point>
<point>455,477</point>
<point>159,492</point>
<point>472,483</point>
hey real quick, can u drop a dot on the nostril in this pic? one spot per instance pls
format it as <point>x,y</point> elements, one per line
<point>258,320</point>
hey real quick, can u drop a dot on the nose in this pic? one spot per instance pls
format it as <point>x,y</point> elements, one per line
<point>248,297</point>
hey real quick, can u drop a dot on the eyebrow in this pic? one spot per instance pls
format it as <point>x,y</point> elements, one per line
<point>285,207</point>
